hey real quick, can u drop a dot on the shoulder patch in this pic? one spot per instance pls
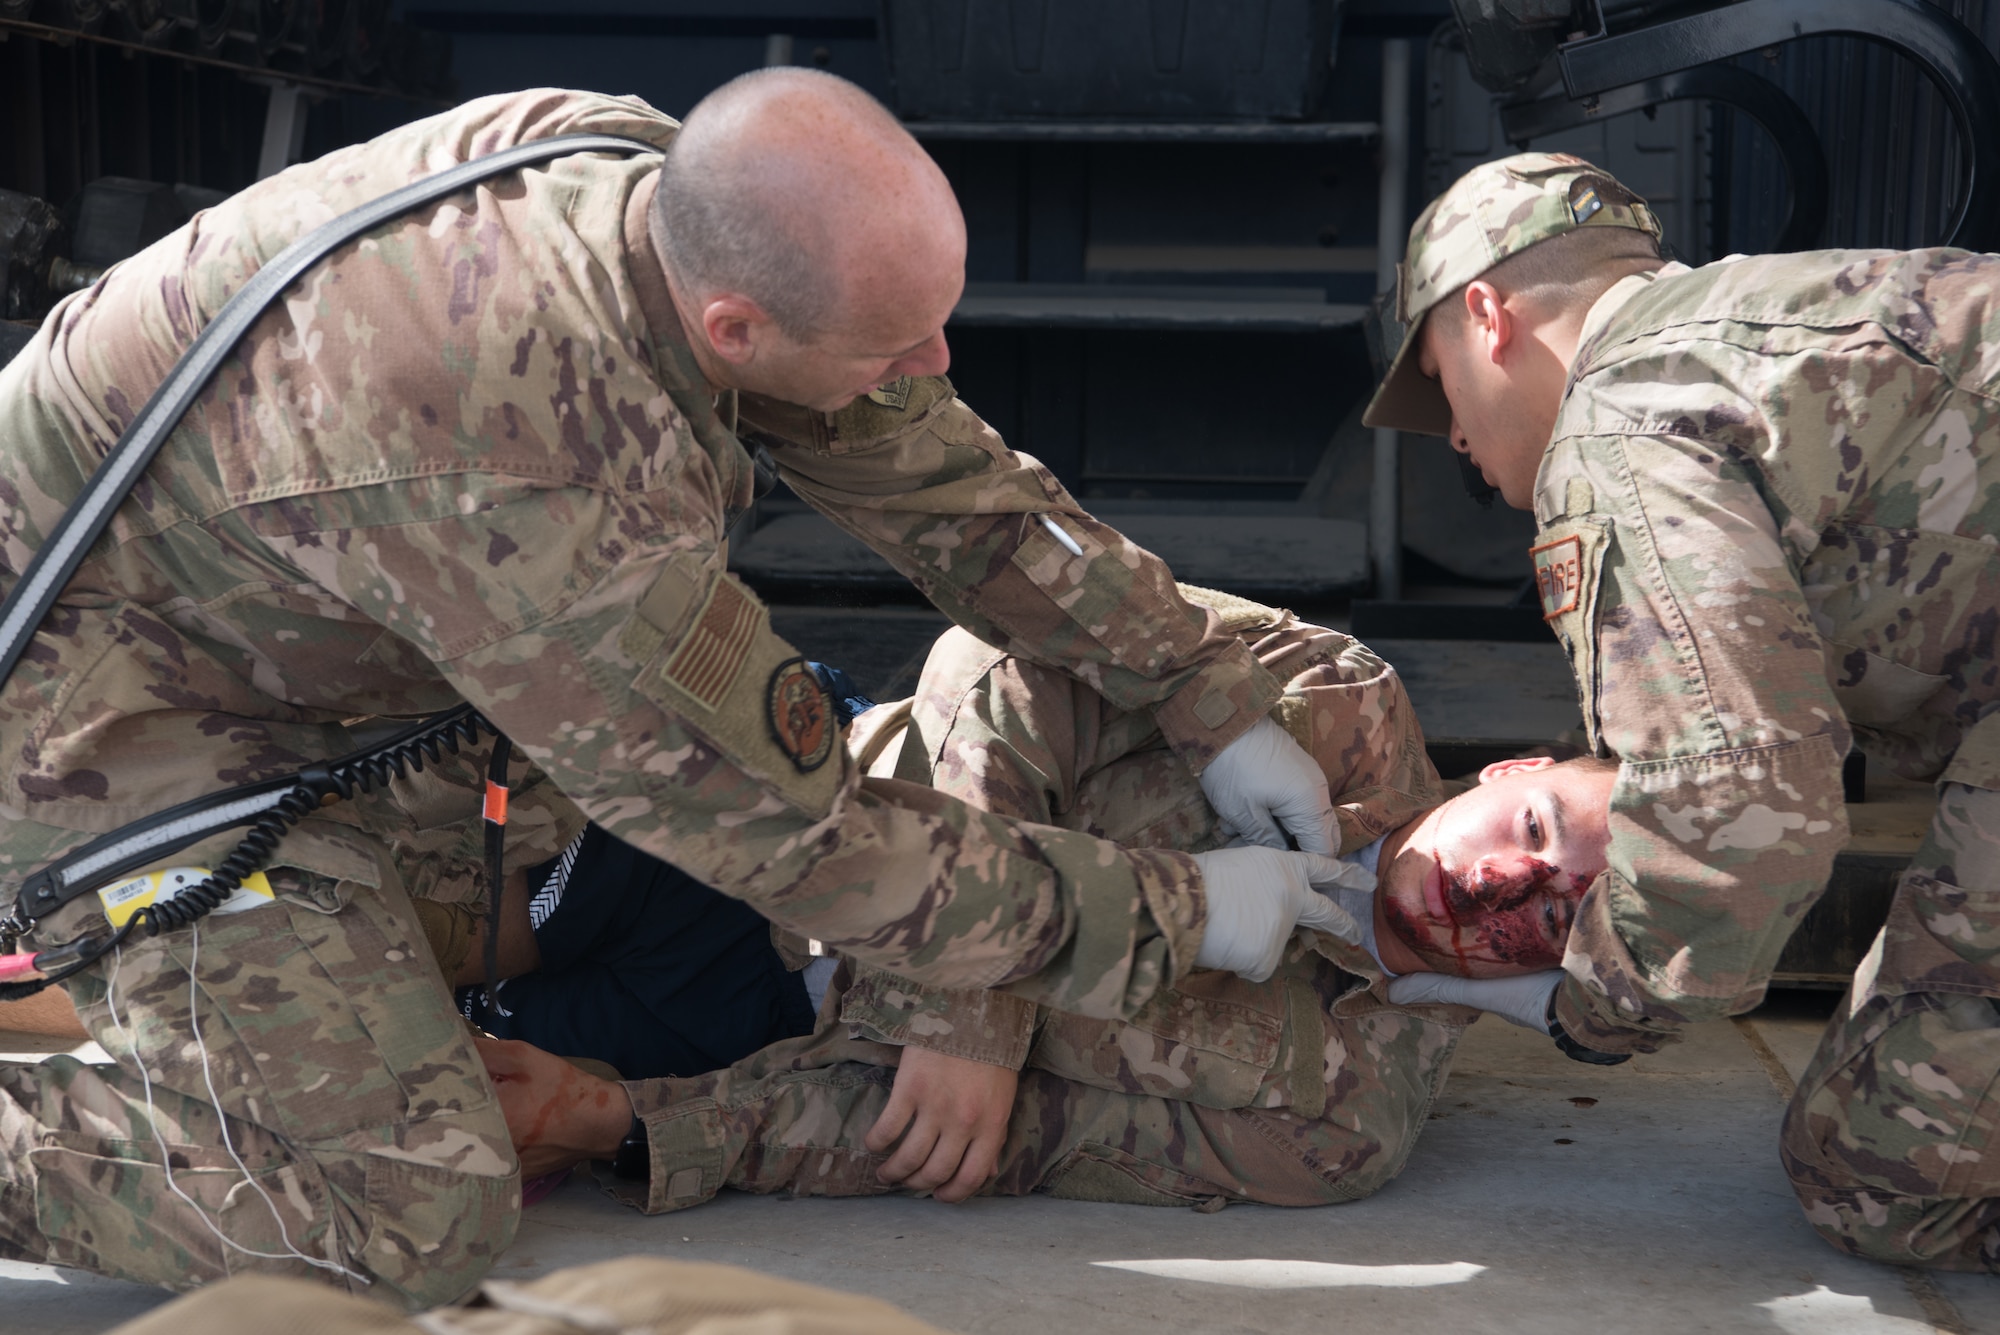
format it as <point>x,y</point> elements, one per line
<point>1569,570</point>
<point>800,714</point>
<point>899,406</point>
<point>1558,575</point>
<point>895,394</point>
<point>713,652</point>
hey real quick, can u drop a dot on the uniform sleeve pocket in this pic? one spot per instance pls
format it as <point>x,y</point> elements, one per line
<point>711,660</point>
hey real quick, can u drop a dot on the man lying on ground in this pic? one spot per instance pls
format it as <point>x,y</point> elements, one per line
<point>1305,1089</point>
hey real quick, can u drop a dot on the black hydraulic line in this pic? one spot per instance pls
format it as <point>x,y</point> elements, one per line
<point>1733,86</point>
<point>1963,71</point>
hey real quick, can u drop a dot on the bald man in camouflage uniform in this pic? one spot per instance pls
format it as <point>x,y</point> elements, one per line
<point>1768,492</point>
<point>473,457</point>
<point>1309,1088</point>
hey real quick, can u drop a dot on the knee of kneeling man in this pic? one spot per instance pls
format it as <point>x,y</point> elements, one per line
<point>434,1232</point>
<point>1901,1230</point>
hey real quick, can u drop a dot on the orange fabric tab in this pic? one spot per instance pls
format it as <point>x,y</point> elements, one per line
<point>496,803</point>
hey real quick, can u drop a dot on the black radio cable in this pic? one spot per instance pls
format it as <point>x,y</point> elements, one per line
<point>314,787</point>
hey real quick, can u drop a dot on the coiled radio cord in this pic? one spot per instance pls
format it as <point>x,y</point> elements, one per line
<point>314,787</point>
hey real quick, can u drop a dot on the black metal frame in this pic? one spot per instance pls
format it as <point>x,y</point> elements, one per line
<point>1735,87</point>
<point>1964,72</point>
<point>258,60</point>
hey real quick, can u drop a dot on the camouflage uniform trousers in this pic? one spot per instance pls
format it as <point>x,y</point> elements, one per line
<point>360,1128</point>
<point>792,1118</point>
<point>1893,1138</point>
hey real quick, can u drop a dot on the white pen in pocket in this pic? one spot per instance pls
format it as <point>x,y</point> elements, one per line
<point>1057,532</point>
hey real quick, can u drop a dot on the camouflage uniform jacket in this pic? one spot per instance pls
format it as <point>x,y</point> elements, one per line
<point>470,457</point>
<point>1769,514</point>
<point>1319,1037</point>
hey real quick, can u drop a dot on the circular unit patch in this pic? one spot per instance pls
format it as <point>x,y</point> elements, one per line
<point>800,715</point>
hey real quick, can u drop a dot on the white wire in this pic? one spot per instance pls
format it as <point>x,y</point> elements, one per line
<point>222,1120</point>
<point>166,1156</point>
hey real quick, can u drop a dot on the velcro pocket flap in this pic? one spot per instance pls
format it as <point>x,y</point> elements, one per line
<point>1939,937</point>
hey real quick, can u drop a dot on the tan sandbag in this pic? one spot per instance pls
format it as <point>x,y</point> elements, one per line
<point>632,1295</point>
<point>260,1304</point>
<point>661,1297</point>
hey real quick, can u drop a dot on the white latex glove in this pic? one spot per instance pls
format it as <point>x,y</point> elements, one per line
<point>1522,1000</point>
<point>1257,896</point>
<point>1264,780</point>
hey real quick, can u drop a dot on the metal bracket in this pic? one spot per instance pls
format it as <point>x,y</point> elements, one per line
<point>1964,72</point>
<point>1756,97</point>
<point>284,129</point>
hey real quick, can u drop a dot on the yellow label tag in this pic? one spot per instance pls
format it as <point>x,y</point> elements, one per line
<point>127,897</point>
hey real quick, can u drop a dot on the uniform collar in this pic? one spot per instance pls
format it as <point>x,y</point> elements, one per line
<point>1614,297</point>
<point>1595,321</point>
<point>711,416</point>
<point>648,269</point>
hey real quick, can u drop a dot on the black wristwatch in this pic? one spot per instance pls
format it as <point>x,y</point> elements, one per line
<point>1574,1050</point>
<point>634,1160</point>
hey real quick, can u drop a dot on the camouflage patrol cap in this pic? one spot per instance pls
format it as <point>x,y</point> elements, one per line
<point>1495,210</point>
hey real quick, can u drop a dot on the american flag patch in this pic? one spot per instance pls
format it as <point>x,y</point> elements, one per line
<point>713,652</point>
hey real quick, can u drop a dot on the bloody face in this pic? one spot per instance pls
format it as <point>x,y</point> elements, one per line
<point>1486,885</point>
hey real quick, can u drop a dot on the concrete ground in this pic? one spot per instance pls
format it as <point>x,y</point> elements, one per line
<point>1546,1196</point>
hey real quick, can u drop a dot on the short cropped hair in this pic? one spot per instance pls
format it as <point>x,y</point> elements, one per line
<point>1573,269</point>
<point>726,228</point>
<point>1589,764</point>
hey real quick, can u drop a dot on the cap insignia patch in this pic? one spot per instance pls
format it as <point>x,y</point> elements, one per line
<point>1583,200</point>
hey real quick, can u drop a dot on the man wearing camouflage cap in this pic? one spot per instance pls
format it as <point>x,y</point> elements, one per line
<point>490,453</point>
<point>1769,499</point>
